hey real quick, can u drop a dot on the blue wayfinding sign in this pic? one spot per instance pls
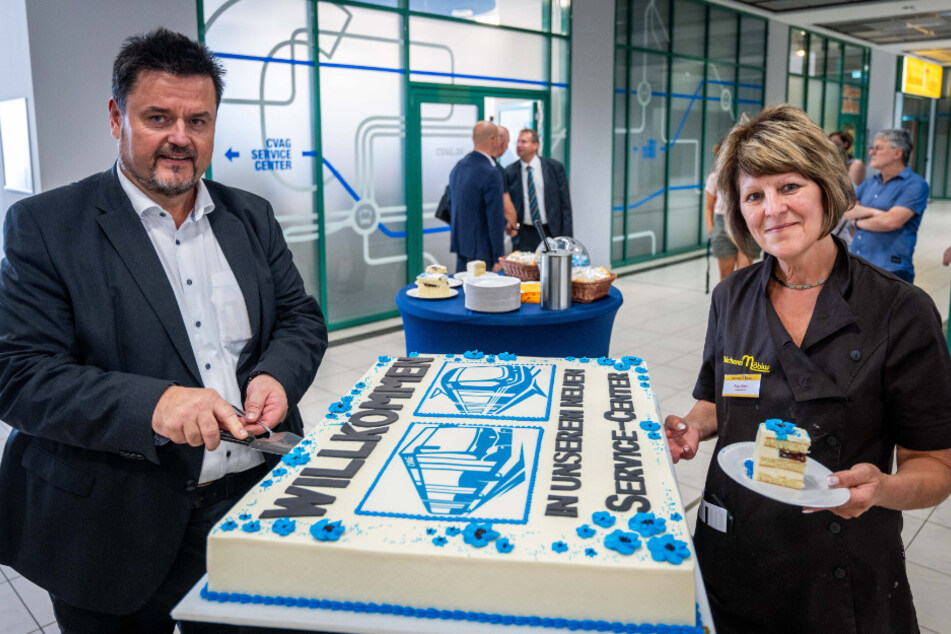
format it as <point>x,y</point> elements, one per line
<point>276,157</point>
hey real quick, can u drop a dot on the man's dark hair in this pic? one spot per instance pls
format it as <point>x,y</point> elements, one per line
<point>163,51</point>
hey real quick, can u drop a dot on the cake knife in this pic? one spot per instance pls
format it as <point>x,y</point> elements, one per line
<point>280,443</point>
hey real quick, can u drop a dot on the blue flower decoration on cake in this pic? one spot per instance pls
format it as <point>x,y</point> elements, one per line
<point>251,527</point>
<point>266,483</point>
<point>569,358</point>
<point>277,473</point>
<point>643,377</point>
<point>559,546</point>
<point>360,385</point>
<point>504,545</point>
<point>585,532</point>
<point>622,366</point>
<point>479,535</point>
<point>474,354</point>
<point>645,384</point>
<point>649,425</point>
<point>507,356</point>
<point>645,524</point>
<point>653,435</point>
<point>603,519</point>
<point>748,464</point>
<point>450,356</point>
<point>244,516</point>
<point>296,457</point>
<point>605,361</point>
<point>413,354</point>
<point>342,406</point>
<point>583,360</point>
<point>676,517</point>
<point>590,552</point>
<point>632,360</point>
<point>430,531</point>
<point>383,359</point>
<point>781,428</point>
<point>229,525</point>
<point>666,548</point>
<point>624,543</point>
<point>327,531</point>
<point>440,541</point>
<point>452,531</point>
<point>284,526</point>
<point>640,369</point>
<point>490,358</point>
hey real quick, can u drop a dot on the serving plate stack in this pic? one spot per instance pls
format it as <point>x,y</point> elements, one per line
<point>493,294</point>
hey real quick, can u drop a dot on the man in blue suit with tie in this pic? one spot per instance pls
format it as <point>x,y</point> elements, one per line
<point>539,189</point>
<point>475,190</point>
<point>137,307</point>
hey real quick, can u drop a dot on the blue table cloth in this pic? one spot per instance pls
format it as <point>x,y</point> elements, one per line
<point>446,325</point>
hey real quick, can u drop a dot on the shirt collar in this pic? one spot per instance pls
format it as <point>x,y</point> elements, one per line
<point>535,163</point>
<point>142,203</point>
<point>904,174</point>
<point>491,160</point>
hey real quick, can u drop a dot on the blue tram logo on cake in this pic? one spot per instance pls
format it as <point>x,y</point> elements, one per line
<point>497,392</point>
<point>457,473</point>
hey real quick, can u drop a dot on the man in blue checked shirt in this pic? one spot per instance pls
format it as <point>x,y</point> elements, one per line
<point>890,206</point>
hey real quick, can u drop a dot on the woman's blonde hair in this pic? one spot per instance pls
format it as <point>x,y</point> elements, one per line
<point>779,140</point>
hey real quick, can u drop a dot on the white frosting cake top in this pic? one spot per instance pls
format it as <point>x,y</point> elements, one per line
<point>495,485</point>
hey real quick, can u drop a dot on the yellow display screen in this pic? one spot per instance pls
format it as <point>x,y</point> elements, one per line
<point>921,78</point>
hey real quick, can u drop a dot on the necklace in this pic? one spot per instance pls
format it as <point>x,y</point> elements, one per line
<point>798,287</point>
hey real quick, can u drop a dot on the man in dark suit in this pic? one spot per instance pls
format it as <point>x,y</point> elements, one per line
<point>539,188</point>
<point>475,190</point>
<point>137,306</point>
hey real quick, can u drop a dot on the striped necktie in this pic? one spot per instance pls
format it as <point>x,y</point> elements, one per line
<point>532,199</point>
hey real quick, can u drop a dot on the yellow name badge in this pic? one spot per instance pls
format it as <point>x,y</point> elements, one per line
<point>742,385</point>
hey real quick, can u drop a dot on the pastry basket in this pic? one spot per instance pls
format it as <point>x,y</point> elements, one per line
<point>587,292</point>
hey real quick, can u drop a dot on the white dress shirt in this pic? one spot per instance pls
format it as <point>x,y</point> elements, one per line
<point>211,305</point>
<point>539,181</point>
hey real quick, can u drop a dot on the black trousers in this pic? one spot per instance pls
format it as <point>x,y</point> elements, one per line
<point>155,616</point>
<point>527,238</point>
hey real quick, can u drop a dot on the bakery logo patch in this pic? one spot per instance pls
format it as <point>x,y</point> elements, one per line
<point>747,362</point>
<point>457,472</point>
<point>498,392</point>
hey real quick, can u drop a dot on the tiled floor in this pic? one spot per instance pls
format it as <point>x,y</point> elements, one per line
<point>663,320</point>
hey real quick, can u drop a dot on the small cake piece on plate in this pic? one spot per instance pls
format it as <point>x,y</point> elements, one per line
<point>475,268</point>
<point>436,268</point>
<point>432,285</point>
<point>779,456</point>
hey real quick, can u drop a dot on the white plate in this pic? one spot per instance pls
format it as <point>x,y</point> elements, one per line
<point>462,275</point>
<point>414,292</point>
<point>815,492</point>
<point>454,283</point>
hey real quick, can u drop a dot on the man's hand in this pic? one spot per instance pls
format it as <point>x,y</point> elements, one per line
<point>947,256</point>
<point>511,229</point>
<point>266,403</point>
<point>194,416</point>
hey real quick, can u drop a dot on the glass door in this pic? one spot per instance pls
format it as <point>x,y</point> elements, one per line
<point>438,135</point>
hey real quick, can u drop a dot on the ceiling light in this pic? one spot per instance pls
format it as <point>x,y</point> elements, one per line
<point>801,53</point>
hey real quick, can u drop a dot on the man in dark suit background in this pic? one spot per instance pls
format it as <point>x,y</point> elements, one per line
<point>546,179</point>
<point>137,306</point>
<point>475,191</point>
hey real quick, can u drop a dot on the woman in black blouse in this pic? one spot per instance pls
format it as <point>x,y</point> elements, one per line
<point>840,348</point>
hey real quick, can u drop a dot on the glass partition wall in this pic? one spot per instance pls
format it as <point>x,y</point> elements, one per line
<point>685,71</point>
<point>327,142</point>
<point>829,80</point>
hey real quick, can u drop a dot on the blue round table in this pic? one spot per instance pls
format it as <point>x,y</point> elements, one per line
<point>446,325</point>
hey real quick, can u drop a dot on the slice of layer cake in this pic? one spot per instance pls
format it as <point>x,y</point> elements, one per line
<point>436,268</point>
<point>779,456</point>
<point>475,268</point>
<point>432,285</point>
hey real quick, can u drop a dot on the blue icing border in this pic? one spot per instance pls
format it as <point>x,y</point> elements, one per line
<point>454,416</point>
<point>455,519</point>
<point>586,625</point>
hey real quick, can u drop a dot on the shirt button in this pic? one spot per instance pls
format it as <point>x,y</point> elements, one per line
<point>207,366</point>
<point>189,282</point>
<point>835,528</point>
<point>178,242</point>
<point>839,573</point>
<point>197,324</point>
<point>832,441</point>
<point>162,213</point>
<point>855,355</point>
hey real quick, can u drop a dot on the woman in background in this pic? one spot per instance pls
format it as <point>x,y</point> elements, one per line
<point>856,167</point>
<point>728,256</point>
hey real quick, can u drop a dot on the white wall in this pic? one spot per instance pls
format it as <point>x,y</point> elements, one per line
<point>16,82</point>
<point>777,62</point>
<point>881,91</point>
<point>592,118</point>
<point>72,44</point>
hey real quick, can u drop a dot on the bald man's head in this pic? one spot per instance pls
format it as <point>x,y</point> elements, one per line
<point>484,136</point>
<point>502,143</point>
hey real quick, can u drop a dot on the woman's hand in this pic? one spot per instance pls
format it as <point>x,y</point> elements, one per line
<point>865,483</point>
<point>682,439</point>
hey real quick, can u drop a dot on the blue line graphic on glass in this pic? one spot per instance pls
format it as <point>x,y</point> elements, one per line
<point>474,391</point>
<point>458,469</point>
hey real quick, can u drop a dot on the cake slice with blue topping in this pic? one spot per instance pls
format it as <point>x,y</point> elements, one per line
<point>779,456</point>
